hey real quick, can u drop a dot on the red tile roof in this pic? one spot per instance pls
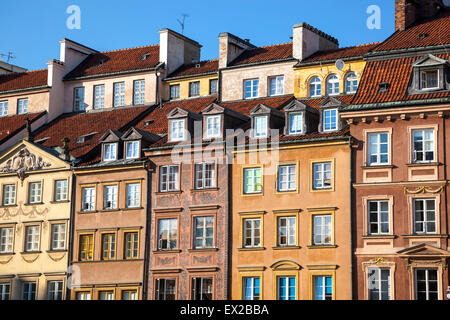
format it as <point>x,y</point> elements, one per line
<point>73,126</point>
<point>192,69</point>
<point>245,106</point>
<point>11,125</point>
<point>341,53</point>
<point>23,80</point>
<point>396,72</point>
<point>431,32</point>
<point>264,54</point>
<point>315,102</point>
<point>118,61</point>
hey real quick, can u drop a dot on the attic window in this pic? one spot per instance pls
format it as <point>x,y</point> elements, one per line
<point>86,137</point>
<point>429,79</point>
<point>145,56</point>
<point>101,63</point>
<point>423,35</point>
<point>197,65</point>
<point>42,140</point>
<point>148,122</point>
<point>383,87</point>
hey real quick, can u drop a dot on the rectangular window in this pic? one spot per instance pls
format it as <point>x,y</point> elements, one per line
<point>287,178</point>
<point>106,295</point>
<point>132,149</point>
<point>378,149</point>
<point>205,175</point>
<point>133,195</point>
<point>252,288</point>
<point>58,236</point>
<point>286,288</point>
<point>213,86</point>
<point>177,130</point>
<point>78,99</point>
<point>131,245</point>
<point>6,240</point>
<point>29,291</point>
<point>165,289</point>
<point>54,290</point>
<point>276,85</point>
<point>32,238</point>
<point>22,106</point>
<point>330,118</point>
<point>213,126</point>
<point>251,88</point>
<point>424,216</point>
<point>3,108</point>
<point>60,190</point>
<point>35,192</point>
<point>202,288</point>
<point>260,130</point>
<point>86,247</point>
<point>252,233</point>
<point>204,232</point>
<point>108,246</point>
<point>429,79</point>
<point>194,88</point>
<point>378,217</point>
<point>168,178</point>
<point>109,151</point>
<point>322,176</point>
<point>119,94</point>
<point>5,291</point>
<point>99,96</point>
<point>287,231</point>
<point>9,194</point>
<point>426,284</point>
<point>295,123</point>
<point>110,197</point>
<point>175,91</point>
<point>322,230</point>
<point>252,180</point>
<point>83,295</point>
<point>88,199</point>
<point>129,295</point>
<point>323,287</point>
<point>167,234</point>
<point>379,283</point>
<point>423,146</point>
<point>139,92</point>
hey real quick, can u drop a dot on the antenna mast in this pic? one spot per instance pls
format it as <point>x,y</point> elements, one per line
<point>181,22</point>
<point>9,56</point>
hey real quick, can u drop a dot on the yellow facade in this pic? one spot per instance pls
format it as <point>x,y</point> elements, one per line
<point>304,74</point>
<point>34,222</point>
<point>184,85</point>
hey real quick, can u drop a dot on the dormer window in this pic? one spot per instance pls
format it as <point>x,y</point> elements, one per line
<point>429,79</point>
<point>295,123</point>
<point>260,127</point>
<point>212,126</point>
<point>110,152</point>
<point>177,130</point>
<point>430,74</point>
<point>132,149</point>
<point>330,120</point>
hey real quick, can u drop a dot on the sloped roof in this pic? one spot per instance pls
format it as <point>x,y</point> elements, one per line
<point>264,54</point>
<point>23,80</point>
<point>116,62</point>
<point>11,125</point>
<point>341,53</point>
<point>197,68</point>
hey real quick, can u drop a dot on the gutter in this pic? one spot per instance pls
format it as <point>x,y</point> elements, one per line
<point>191,76</point>
<point>25,89</point>
<point>386,105</point>
<point>259,63</point>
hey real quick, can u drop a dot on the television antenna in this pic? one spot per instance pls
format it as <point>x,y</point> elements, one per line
<point>8,56</point>
<point>181,22</point>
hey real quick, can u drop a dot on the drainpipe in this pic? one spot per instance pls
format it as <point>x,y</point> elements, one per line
<point>446,185</point>
<point>352,234</point>
<point>219,84</point>
<point>158,93</point>
<point>71,230</point>
<point>147,251</point>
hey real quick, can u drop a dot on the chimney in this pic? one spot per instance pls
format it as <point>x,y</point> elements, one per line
<point>409,11</point>
<point>176,49</point>
<point>230,47</point>
<point>308,40</point>
<point>64,153</point>
<point>28,136</point>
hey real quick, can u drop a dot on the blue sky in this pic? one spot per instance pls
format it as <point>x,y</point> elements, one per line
<point>32,29</point>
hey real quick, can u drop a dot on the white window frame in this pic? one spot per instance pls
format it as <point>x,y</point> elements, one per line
<point>326,223</point>
<point>109,151</point>
<point>279,86</point>
<point>315,87</point>
<point>177,130</point>
<point>205,175</point>
<point>3,108</point>
<point>172,227</point>
<point>378,275</point>
<point>138,92</point>
<point>174,89</point>
<point>168,175</point>
<point>333,85</point>
<point>319,167</point>
<point>35,192</point>
<point>378,144</point>
<point>99,96</point>
<point>203,238</point>
<point>9,194</point>
<point>298,128</point>
<point>61,191</point>
<point>58,234</point>
<point>288,287</point>
<point>253,86</point>
<point>286,178</point>
<point>55,289</point>
<point>213,126</point>
<point>327,120</point>
<point>260,126</point>
<point>88,197</point>
<point>134,145</point>
<point>110,195</point>
<point>133,195</point>
<point>351,83</point>
<point>379,214</point>
<point>253,238</point>
<point>427,282</point>
<point>211,86</point>
<point>251,188</point>
<point>252,287</point>
<point>424,79</point>
<point>424,142</point>
<point>425,220</point>
<point>6,239</point>
<point>78,99</point>
<point>194,88</point>
<point>22,106</point>
<point>32,238</point>
<point>324,287</point>
<point>119,94</point>
<point>291,236</point>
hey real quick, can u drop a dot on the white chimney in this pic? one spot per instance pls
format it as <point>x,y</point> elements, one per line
<point>230,47</point>
<point>307,40</point>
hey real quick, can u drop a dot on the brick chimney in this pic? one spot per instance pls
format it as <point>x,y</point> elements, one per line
<point>409,11</point>
<point>307,40</point>
<point>230,47</point>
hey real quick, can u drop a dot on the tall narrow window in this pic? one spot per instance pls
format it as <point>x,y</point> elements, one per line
<point>426,284</point>
<point>78,99</point>
<point>109,151</point>
<point>32,238</point>
<point>9,194</point>
<point>29,291</point>
<point>133,195</point>
<point>205,175</point>
<point>202,288</point>
<point>119,94</point>
<point>315,87</point>
<point>99,96</point>
<point>286,288</point>
<point>251,88</point>
<point>6,240</point>
<point>168,178</point>
<point>165,289</point>
<point>54,290</point>
<point>423,146</point>
<point>131,245</point>
<point>5,291</point>
<point>379,283</point>
<point>204,232</point>
<point>3,108</point>
<point>86,247</point>
<point>425,216</point>
<point>35,192</point>
<point>252,233</point>
<point>60,190</point>
<point>351,83</point>
<point>252,288</point>
<point>295,123</point>
<point>167,234</point>
<point>177,130</point>
<point>22,106</point>
<point>213,86</point>
<point>261,128</point>
<point>108,246</point>
<point>194,88</point>
<point>287,231</point>
<point>333,85</point>
<point>378,217</point>
<point>322,287</point>
<point>110,197</point>
<point>322,230</point>
<point>88,200</point>
<point>378,150</point>
<point>175,91</point>
<point>330,120</point>
<point>213,126</point>
<point>287,178</point>
<point>58,236</point>
<point>252,180</point>
<point>322,176</point>
<point>132,149</point>
<point>276,85</point>
<point>139,92</point>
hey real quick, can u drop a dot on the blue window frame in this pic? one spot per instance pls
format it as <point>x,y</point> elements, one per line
<point>252,289</point>
<point>323,287</point>
<point>286,288</point>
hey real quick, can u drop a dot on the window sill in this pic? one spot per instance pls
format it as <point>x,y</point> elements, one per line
<point>203,249</point>
<point>56,251</point>
<point>7,254</point>
<point>166,251</point>
<point>132,208</point>
<point>287,248</point>
<point>430,235</point>
<point>62,201</point>
<point>205,190</point>
<point>30,252</point>
<point>33,204</point>
<point>380,166</point>
<point>161,193</point>
<point>87,212</point>
<point>252,249</point>
<point>260,194</point>
<point>8,206</point>
<point>322,246</point>
<point>423,164</point>
<point>379,236</point>
<point>109,210</point>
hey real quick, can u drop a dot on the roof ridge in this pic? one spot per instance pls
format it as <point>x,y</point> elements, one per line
<point>272,45</point>
<point>28,71</point>
<point>132,48</point>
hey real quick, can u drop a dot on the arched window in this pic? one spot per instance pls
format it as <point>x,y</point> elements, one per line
<point>351,83</point>
<point>333,85</point>
<point>315,87</point>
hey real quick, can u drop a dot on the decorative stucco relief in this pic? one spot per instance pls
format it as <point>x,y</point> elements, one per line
<point>12,212</point>
<point>22,162</point>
